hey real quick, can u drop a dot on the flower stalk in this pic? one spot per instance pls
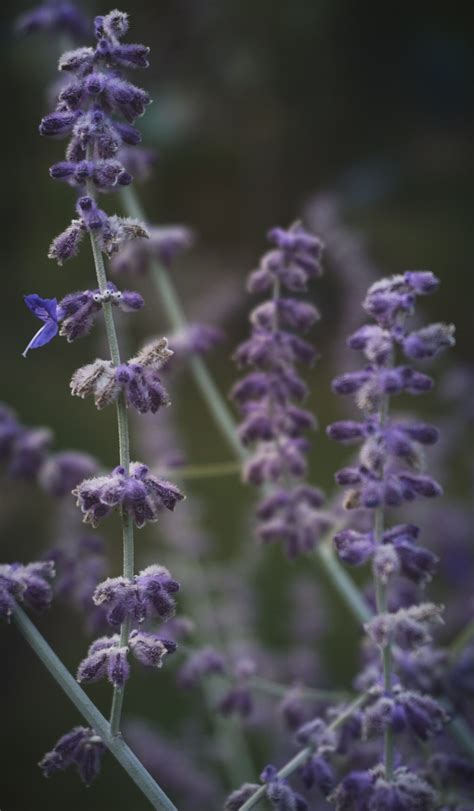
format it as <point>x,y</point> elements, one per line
<point>117,746</point>
<point>124,452</point>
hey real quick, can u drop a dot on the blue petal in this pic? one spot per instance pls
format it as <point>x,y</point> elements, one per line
<point>44,335</point>
<point>43,308</point>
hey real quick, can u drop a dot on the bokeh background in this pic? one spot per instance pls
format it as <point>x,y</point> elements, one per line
<point>262,111</point>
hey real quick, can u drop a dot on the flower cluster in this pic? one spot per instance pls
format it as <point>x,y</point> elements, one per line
<point>272,423</point>
<point>82,748</point>
<point>147,594</point>
<point>85,112</point>
<point>73,317</point>
<point>27,584</point>
<point>107,658</point>
<point>370,789</point>
<point>140,495</point>
<point>137,379</point>
<point>391,470</point>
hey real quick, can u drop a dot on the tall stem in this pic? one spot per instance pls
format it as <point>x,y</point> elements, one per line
<point>91,714</point>
<point>381,603</point>
<point>124,453</point>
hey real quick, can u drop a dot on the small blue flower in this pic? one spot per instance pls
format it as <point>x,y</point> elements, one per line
<point>46,310</point>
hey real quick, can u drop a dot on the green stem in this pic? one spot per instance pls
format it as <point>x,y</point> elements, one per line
<point>282,690</point>
<point>178,321</point>
<point>301,757</point>
<point>462,640</point>
<point>89,711</point>
<point>124,451</point>
<point>204,471</point>
<point>342,582</point>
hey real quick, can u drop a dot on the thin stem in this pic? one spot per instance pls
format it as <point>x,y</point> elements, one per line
<point>342,582</point>
<point>462,640</point>
<point>177,320</point>
<point>91,714</point>
<point>124,450</point>
<point>211,470</point>
<point>282,690</point>
<point>301,757</point>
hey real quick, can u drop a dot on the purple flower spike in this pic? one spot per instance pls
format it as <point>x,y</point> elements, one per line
<point>46,310</point>
<point>272,422</point>
<point>82,748</point>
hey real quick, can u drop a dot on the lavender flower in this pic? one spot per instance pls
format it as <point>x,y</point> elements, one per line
<point>390,471</point>
<point>46,310</point>
<point>139,494</point>
<point>137,379</point>
<point>107,658</point>
<point>74,316</point>
<point>272,422</point>
<point>82,748</point>
<point>27,584</point>
<point>85,112</point>
<point>148,594</point>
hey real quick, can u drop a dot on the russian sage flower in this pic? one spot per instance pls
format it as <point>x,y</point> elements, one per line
<point>147,594</point>
<point>273,424</point>
<point>90,111</point>
<point>140,494</point>
<point>82,748</point>
<point>137,379</point>
<point>107,658</point>
<point>391,470</point>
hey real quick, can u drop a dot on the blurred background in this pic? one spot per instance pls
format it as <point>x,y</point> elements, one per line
<point>355,116</point>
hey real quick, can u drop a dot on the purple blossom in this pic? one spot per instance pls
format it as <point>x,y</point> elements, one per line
<point>27,584</point>
<point>137,379</point>
<point>86,111</point>
<point>107,658</point>
<point>82,748</point>
<point>46,310</point>
<point>150,593</point>
<point>273,423</point>
<point>139,494</point>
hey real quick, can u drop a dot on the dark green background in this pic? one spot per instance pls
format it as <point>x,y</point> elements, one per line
<point>257,105</point>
